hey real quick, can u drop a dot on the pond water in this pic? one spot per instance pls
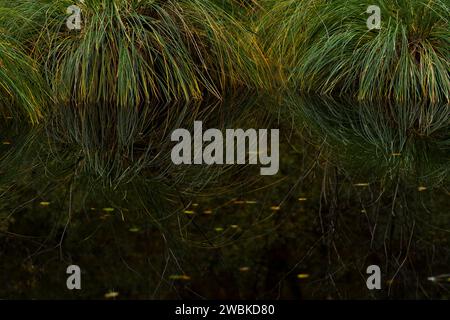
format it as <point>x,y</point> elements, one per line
<point>358,185</point>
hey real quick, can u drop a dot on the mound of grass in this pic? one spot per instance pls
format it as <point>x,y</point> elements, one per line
<point>130,52</point>
<point>22,90</point>
<point>326,47</point>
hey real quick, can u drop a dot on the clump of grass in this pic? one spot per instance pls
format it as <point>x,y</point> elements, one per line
<point>22,90</point>
<point>130,52</point>
<point>327,48</point>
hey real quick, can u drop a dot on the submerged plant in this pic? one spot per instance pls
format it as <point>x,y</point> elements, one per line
<point>131,52</point>
<point>327,48</point>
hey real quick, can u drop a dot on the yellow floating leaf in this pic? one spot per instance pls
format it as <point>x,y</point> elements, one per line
<point>234,226</point>
<point>275,208</point>
<point>108,209</point>
<point>180,277</point>
<point>111,295</point>
<point>251,202</point>
<point>207,212</point>
<point>219,229</point>
<point>396,154</point>
<point>189,211</point>
<point>134,229</point>
<point>195,204</point>
<point>302,199</point>
<point>421,188</point>
<point>303,275</point>
<point>6,143</point>
<point>244,269</point>
<point>365,184</point>
<point>44,203</point>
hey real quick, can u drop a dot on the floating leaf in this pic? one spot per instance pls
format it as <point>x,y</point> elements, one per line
<point>189,211</point>
<point>180,277</point>
<point>362,184</point>
<point>275,208</point>
<point>108,209</point>
<point>421,188</point>
<point>111,295</point>
<point>219,229</point>
<point>44,203</point>
<point>303,275</point>
<point>244,269</point>
<point>302,199</point>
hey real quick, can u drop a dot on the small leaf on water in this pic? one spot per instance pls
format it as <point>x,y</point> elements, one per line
<point>396,154</point>
<point>180,277</point>
<point>6,143</point>
<point>44,203</point>
<point>275,208</point>
<point>219,229</point>
<point>111,295</point>
<point>303,275</point>
<point>134,229</point>
<point>251,202</point>
<point>302,199</point>
<point>244,269</point>
<point>108,209</point>
<point>234,226</point>
<point>189,212</point>
<point>421,188</point>
<point>363,184</point>
<point>207,212</point>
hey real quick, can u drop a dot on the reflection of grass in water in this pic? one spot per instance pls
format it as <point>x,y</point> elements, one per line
<point>406,141</point>
<point>230,243</point>
<point>131,52</point>
<point>57,176</point>
<point>325,46</point>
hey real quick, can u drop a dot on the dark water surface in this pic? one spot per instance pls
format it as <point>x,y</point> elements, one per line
<point>358,185</point>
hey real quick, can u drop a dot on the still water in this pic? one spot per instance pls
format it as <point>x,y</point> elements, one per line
<point>358,185</point>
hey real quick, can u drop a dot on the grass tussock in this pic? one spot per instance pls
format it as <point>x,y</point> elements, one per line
<point>20,83</point>
<point>132,52</point>
<point>326,47</point>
